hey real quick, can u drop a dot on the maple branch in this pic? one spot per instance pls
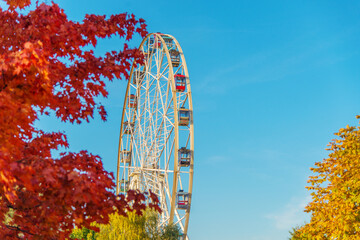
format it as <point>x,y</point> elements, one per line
<point>16,228</point>
<point>4,84</point>
<point>23,160</point>
<point>23,209</point>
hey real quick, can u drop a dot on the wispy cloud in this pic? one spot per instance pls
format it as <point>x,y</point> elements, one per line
<point>283,62</point>
<point>218,158</point>
<point>215,160</point>
<point>291,215</point>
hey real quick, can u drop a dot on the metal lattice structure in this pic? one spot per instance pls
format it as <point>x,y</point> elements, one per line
<point>156,146</point>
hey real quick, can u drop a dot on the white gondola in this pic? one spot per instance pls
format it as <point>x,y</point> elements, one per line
<point>182,199</point>
<point>128,127</point>
<point>125,156</point>
<point>184,157</point>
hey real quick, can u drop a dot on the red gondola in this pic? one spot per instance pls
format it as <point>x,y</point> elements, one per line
<point>180,82</point>
<point>132,101</point>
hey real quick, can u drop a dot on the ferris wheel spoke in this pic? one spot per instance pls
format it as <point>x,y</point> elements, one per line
<point>181,100</point>
<point>167,161</point>
<point>187,141</point>
<point>179,221</point>
<point>178,70</point>
<point>153,80</point>
<point>164,205</point>
<point>166,141</point>
<point>180,182</point>
<point>166,104</point>
<point>168,193</point>
<point>164,71</point>
<point>160,58</point>
<point>160,129</point>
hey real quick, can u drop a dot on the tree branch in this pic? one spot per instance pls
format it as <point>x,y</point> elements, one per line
<point>16,228</point>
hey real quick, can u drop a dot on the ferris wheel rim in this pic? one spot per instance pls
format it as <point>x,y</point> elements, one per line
<point>176,124</point>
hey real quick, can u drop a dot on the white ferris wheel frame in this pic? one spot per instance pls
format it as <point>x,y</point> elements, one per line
<point>150,130</point>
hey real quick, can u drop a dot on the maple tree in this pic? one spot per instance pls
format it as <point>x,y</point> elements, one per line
<point>47,66</point>
<point>335,205</point>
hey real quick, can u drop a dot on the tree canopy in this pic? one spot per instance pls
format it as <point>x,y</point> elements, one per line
<point>132,226</point>
<point>335,205</point>
<point>48,66</point>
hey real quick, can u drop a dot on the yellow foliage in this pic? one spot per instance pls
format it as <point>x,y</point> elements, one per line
<point>335,206</point>
<point>123,228</point>
<point>130,227</point>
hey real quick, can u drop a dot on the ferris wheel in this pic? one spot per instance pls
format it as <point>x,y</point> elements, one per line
<point>156,145</point>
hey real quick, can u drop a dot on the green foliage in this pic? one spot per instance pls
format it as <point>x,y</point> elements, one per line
<point>83,233</point>
<point>171,232</point>
<point>154,232</point>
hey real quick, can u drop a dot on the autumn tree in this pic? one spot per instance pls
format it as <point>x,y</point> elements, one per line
<point>335,205</point>
<point>131,226</point>
<point>121,227</point>
<point>48,66</point>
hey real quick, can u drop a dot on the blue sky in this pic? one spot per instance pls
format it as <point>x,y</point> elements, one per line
<point>271,82</point>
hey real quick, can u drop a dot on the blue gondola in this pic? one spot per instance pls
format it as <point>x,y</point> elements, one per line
<point>175,57</point>
<point>184,116</point>
<point>168,41</point>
